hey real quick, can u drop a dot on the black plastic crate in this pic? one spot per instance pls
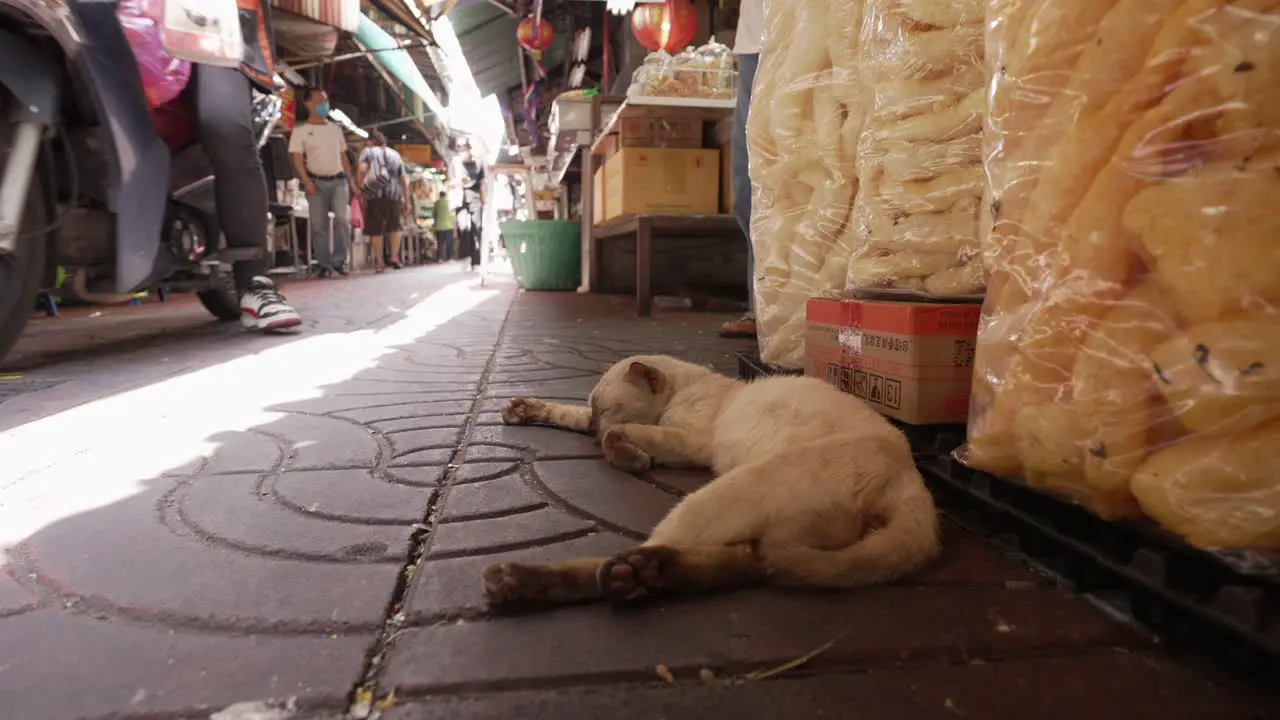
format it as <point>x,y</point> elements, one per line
<point>751,367</point>
<point>1223,605</point>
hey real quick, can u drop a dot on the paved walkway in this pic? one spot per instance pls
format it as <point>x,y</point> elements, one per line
<point>207,524</point>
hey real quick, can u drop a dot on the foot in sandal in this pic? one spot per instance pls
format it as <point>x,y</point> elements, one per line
<point>744,326</point>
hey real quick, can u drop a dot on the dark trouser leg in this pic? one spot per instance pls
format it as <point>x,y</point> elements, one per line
<point>224,107</point>
<point>738,169</point>
<point>445,238</point>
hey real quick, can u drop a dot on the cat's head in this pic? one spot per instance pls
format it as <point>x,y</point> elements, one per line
<point>635,390</point>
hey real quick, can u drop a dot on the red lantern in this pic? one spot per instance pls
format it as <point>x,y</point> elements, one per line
<point>668,25</point>
<point>534,38</point>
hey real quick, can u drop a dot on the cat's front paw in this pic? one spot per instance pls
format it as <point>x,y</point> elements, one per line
<point>522,411</point>
<point>637,573</point>
<point>622,453</point>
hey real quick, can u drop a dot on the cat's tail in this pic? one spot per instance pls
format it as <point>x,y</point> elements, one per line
<point>906,542</point>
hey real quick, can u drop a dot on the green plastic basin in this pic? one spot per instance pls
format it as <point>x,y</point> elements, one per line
<point>545,254</point>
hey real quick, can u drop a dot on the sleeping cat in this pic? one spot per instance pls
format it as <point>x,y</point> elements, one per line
<point>812,487</point>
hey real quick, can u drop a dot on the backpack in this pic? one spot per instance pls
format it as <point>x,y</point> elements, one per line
<point>377,180</point>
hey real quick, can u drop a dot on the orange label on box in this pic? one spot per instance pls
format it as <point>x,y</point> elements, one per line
<point>904,318</point>
<point>911,361</point>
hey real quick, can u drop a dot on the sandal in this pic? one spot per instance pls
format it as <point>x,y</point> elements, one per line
<point>743,327</point>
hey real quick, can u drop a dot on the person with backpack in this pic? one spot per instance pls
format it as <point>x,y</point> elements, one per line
<point>384,185</point>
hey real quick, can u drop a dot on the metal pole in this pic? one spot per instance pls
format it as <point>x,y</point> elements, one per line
<point>354,55</point>
<point>332,249</point>
<point>587,216</point>
<point>488,225</point>
<point>19,171</point>
<point>270,237</point>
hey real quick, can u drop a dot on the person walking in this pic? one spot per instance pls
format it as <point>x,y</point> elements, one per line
<point>470,173</point>
<point>746,46</point>
<point>224,116</point>
<point>318,149</point>
<point>443,225</point>
<point>384,185</point>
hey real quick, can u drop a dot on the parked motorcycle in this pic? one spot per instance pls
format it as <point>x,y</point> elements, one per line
<point>93,179</point>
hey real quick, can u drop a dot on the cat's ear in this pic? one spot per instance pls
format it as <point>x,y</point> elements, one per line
<point>651,377</point>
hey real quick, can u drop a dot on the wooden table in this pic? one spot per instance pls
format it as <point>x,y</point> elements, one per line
<point>646,228</point>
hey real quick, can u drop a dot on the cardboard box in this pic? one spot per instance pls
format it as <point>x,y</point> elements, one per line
<point>660,132</point>
<point>662,180</point>
<point>910,361</point>
<point>608,148</point>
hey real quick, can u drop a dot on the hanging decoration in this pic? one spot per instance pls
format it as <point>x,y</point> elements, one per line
<point>534,35</point>
<point>668,25</point>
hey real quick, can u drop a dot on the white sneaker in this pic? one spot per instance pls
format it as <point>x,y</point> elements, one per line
<point>264,308</point>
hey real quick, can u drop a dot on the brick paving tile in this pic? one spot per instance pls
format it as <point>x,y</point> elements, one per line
<point>194,519</point>
<point>1065,688</point>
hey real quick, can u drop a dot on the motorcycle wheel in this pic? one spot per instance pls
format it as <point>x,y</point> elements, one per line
<point>20,272</point>
<point>221,299</point>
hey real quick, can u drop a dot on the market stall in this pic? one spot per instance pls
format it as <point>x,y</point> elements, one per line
<point>651,166</point>
<point>1054,223</point>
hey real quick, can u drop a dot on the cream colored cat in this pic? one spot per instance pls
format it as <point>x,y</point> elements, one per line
<point>812,487</point>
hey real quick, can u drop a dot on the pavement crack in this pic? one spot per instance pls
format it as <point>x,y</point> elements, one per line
<point>363,699</point>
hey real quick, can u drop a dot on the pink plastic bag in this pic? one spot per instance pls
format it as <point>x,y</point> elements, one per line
<point>163,76</point>
<point>357,217</point>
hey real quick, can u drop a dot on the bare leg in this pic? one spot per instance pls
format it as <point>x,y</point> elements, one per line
<point>528,411</point>
<point>639,447</point>
<point>375,249</point>
<point>394,238</point>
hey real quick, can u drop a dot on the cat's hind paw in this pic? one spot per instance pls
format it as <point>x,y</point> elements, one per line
<point>636,573</point>
<point>511,584</point>
<point>521,411</point>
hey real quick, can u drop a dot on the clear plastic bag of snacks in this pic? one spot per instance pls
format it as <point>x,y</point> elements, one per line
<point>719,76</point>
<point>920,176</point>
<point>706,72</point>
<point>1129,354</point>
<point>802,133</point>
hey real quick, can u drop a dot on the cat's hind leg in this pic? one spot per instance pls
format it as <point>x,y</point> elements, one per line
<point>530,411</point>
<point>658,569</point>
<point>561,583</point>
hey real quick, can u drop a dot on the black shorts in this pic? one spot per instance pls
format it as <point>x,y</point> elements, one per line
<point>382,216</point>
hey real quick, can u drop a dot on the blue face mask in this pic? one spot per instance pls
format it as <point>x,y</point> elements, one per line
<point>323,109</point>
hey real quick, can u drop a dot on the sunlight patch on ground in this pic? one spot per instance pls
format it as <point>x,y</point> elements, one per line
<point>103,451</point>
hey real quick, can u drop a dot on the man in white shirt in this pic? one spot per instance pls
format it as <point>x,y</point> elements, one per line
<point>746,46</point>
<point>318,149</point>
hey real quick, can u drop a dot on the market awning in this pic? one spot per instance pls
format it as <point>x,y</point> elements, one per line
<point>487,35</point>
<point>384,50</point>
<point>486,31</point>
<point>401,12</point>
<point>342,14</point>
